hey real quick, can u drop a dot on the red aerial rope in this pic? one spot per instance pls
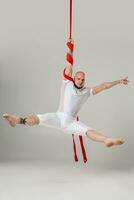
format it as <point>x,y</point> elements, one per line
<point>69,59</point>
<point>80,137</point>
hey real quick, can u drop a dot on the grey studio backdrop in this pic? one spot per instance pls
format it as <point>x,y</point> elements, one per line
<point>33,39</point>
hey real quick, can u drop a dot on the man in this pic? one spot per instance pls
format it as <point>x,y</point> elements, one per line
<point>74,94</point>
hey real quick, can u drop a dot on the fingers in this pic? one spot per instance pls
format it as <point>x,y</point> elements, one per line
<point>71,40</point>
<point>125,80</point>
<point>126,77</point>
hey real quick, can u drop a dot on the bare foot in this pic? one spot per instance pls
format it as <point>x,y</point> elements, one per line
<point>113,141</point>
<point>13,120</point>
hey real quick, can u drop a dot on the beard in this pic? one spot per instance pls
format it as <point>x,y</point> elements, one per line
<point>78,86</point>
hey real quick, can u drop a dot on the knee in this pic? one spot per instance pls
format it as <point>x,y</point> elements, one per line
<point>89,132</point>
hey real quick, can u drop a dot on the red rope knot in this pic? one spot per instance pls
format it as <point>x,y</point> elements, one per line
<point>70,45</point>
<point>69,56</point>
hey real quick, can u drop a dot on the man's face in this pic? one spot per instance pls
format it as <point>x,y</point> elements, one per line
<point>79,80</point>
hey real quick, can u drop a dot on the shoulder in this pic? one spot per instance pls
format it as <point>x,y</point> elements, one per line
<point>66,82</point>
<point>89,90</point>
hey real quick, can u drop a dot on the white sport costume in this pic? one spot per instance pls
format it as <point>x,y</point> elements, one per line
<point>65,119</point>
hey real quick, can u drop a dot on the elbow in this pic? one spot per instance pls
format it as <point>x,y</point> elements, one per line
<point>93,92</point>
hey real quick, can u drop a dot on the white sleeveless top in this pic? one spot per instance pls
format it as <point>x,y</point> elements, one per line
<point>71,98</point>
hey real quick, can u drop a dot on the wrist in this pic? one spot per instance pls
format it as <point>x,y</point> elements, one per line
<point>120,81</point>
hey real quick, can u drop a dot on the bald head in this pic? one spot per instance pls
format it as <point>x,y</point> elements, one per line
<point>79,73</point>
<point>79,79</point>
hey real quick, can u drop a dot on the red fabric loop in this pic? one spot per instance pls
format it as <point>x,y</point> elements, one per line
<point>70,46</point>
<point>69,58</point>
<point>67,77</point>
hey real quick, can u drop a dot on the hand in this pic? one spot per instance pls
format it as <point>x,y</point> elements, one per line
<point>71,40</point>
<point>124,81</point>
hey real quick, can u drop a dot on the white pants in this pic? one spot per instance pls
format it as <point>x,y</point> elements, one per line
<point>65,123</point>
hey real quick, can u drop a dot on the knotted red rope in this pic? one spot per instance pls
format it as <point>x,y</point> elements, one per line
<point>69,58</point>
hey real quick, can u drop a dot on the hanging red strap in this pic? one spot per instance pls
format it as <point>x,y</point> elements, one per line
<point>83,149</point>
<point>74,146</point>
<point>82,146</point>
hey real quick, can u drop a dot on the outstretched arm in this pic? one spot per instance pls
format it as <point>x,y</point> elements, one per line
<point>69,58</point>
<point>108,85</point>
